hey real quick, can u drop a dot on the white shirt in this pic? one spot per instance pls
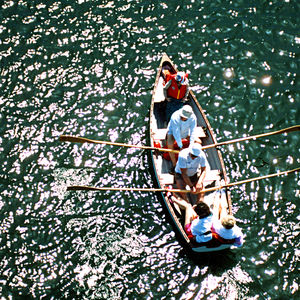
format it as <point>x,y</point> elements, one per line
<point>229,234</point>
<point>192,165</point>
<point>182,129</point>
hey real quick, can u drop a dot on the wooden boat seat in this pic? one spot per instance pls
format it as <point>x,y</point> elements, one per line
<point>211,176</point>
<point>167,179</point>
<point>160,134</point>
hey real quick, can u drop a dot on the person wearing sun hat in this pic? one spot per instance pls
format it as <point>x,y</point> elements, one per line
<point>224,228</point>
<point>191,170</point>
<point>181,126</point>
<point>176,90</point>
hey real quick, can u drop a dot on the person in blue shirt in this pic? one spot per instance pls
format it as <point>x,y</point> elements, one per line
<point>198,219</point>
<point>181,126</point>
<point>191,170</point>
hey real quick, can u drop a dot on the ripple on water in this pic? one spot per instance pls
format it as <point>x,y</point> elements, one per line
<point>87,68</point>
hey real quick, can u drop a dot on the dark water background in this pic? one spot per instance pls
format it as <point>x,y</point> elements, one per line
<point>87,68</point>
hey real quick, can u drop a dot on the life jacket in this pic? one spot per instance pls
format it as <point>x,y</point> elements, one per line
<point>174,91</point>
<point>222,240</point>
<point>185,144</point>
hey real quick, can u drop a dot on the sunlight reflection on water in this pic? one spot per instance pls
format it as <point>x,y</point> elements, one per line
<point>87,68</point>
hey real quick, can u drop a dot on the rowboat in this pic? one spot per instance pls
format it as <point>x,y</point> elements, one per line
<point>216,175</point>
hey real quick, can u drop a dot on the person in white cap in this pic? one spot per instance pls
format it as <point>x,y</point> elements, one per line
<point>191,170</point>
<point>176,90</point>
<point>181,126</point>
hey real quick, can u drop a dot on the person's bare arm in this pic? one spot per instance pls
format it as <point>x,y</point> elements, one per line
<point>199,185</point>
<point>187,179</point>
<point>165,89</point>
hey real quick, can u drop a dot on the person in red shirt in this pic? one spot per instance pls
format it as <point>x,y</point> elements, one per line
<point>176,91</point>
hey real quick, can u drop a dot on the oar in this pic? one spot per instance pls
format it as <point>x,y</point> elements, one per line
<point>130,189</point>
<point>74,139</point>
<point>250,180</point>
<point>285,130</point>
<point>90,188</point>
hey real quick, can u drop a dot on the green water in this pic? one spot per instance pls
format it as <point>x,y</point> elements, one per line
<point>87,68</point>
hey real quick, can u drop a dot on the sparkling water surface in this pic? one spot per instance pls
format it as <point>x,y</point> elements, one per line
<point>87,68</point>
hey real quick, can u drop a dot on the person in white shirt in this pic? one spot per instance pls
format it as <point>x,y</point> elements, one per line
<point>226,231</point>
<point>191,170</point>
<point>181,126</point>
<point>224,228</point>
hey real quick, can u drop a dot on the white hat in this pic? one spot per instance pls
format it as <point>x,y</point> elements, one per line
<point>180,77</point>
<point>186,111</point>
<point>196,149</point>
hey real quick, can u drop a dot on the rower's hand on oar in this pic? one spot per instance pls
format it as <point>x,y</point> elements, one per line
<point>193,190</point>
<point>199,187</point>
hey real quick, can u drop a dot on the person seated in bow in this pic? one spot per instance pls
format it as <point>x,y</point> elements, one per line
<point>198,219</point>
<point>224,228</point>
<point>181,126</point>
<point>191,170</point>
<point>176,90</point>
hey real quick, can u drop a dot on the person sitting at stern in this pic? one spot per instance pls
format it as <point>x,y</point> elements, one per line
<point>226,231</point>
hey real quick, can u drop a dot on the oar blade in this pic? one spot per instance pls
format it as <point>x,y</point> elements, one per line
<point>74,139</point>
<point>83,188</point>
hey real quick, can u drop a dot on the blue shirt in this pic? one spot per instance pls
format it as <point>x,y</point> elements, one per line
<point>185,161</point>
<point>182,129</point>
<point>201,226</point>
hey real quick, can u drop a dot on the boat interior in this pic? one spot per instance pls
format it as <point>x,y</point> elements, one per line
<point>162,165</point>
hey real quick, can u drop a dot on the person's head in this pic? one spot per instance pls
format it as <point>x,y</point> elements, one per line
<point>180,76</point>
<point>202,210</point>
<point>166,72</point>
<point>186,112</point>
<point>228,221</point>
<point>195,150</point>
